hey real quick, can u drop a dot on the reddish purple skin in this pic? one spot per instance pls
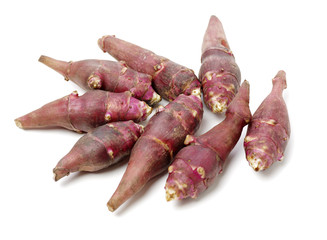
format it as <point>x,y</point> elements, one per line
<point>269,131</point>
<point>185,169</point>
<point>162,138</point>
<point>112,76</point>
<point>83,113</point>
<point>169,79</point>
<point>219,64</point>
<point>100,148</point>
<point>209,151</point>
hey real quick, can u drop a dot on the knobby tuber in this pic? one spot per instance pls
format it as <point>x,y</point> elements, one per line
<point>269,130</point>
<point>83,113</point>
<point>219,74</point>
<point>169,79</point>
<point>106,75</point>
<point>162,138</point>
<point>196,166</point>
<point>99,148</point>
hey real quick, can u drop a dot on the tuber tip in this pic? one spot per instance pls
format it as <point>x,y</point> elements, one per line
<point>280,78</point>
<point>62,67</point>
<point>219,106</point>
<point>42,58</point>
<point>171,194</point>
<point>155,99</point>
<point>214,36</point>
<point>281,74</point>
<point>59,173</point>
<point>18,123</point>
<point>101,42</point>
<point>111,208</point>
<point>255,163</point>
<point>148,110</point>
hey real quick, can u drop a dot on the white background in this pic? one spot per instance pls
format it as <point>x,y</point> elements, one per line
<point>288,201</point>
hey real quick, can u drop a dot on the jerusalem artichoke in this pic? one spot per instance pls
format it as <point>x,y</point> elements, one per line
<point>83,113</point>
<point>219,74</point>
<point>196,166</point>
<point>99,148</point>
<point>106,75</point>
<point>162,138</point>
<point>169,79</point>
<point>269,130</point>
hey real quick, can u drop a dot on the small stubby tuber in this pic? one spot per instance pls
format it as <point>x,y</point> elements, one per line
<point>197,165</point>
<point>153,152</point>
<point>83,113</point>
<point>169,78</point>
<point>269,131</point>
<point>99,148</point>
<point>106,75</point>
<point>219,74</point>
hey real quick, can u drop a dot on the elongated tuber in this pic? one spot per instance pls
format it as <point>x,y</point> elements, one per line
<point>269,130</point>
<point>83,113</point>
<point>219,74</point>
<point>99,148</point>
<point>106,75</point>
<point>162,138</point>
<point>169,79</point>
<point>196,166</point>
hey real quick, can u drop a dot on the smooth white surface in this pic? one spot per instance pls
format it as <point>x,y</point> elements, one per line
<point>287,201</point>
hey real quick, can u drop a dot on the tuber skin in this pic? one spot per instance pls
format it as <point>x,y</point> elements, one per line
<point>196,166</point>
<point>169,79</point>
<point>99,148</point>
<point>219,74</point>
<point>162,138</point>
<point>106,75</point>
<point>269,130</point>
<point>83,113</point>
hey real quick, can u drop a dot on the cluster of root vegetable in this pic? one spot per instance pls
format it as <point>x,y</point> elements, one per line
<point>121,94</point>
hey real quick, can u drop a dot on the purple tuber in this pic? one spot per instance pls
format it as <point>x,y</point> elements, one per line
<point>169,79</point>
<point>196,166</point>
<point>99,148</point>
<point>269,130</point>
<point>162,138</point>
<point>105,75</point>
<point>219,74</point>
<point>83,113</point>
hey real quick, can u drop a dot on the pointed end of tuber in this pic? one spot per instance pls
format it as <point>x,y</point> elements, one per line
<point>155,99</point>
<point>255,163</point>
<point>111,207</point>
<point>171,194</point>
<point>279,81</point>
<point>18,123</point>
<point>219,106</point>
<point>59,173</point>
<point>101,42</point>
<point>148,110</point>
<point>214,36</point>
<point>59,66</point>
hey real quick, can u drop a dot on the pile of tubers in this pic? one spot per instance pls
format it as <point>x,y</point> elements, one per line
<point>121,94</point>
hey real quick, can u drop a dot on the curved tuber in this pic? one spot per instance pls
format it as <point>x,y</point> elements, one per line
<point>269,131</point>
<point>169,79</point>
<point>219,74</point>
<point>83,113</point>
<point>99,148</point>
<point>105,75</point>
